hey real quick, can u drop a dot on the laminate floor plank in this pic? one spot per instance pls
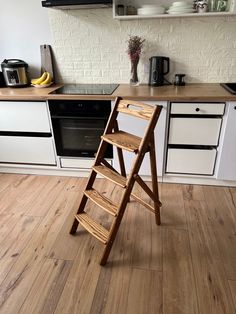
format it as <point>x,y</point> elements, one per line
<point>48,191</point>
<point>17,284</point>
<point>145,292</point>
<point>78,293</point>
<point>233,291</point>
<point>147,249</point>
<point>7,181</point>
<point>66,246</point>
<point>193,192</point>
<point>7,223</point>
<point>223,218</point>
<point>118,270</point>
<point>15,242</point>
<point>233,195</point>
<point>16,188</point>
<point>179,291</point>
<point>172,210</point>
<point>26,196</point>
<point>212,287</point>
<point>47,288</point>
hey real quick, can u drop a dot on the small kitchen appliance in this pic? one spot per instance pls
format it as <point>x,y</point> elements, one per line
<point>179,80</point>
<point>159,67</point>
<point>15,72</point>
<point>2,82</point>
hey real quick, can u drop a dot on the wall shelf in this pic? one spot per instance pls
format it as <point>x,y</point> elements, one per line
<point>160,16</point>
<point>137,3</point>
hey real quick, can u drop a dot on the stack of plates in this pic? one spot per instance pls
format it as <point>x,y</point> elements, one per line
<point>151,9</point>
<point>181,7</point>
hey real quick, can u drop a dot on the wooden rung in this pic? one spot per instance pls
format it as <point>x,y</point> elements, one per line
<point>145,204</point>
<point>111,175</point>
<point>123,140</point>
<point>93,227</point>
<point>102,201</point>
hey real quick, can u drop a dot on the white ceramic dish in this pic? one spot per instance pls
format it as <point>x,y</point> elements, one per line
<point>41,86</point>
<point>179,8</point>
<point>180,3</point>
<point>151,11</point>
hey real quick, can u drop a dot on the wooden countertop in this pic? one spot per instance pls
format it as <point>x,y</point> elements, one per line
<point>190,92</point>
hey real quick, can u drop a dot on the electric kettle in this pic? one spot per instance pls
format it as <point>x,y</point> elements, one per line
<point>159,66</point>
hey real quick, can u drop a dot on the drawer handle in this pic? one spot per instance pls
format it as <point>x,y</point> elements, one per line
<point>197,109</point>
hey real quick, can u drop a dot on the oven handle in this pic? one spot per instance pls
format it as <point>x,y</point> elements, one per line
<point>73,117</point>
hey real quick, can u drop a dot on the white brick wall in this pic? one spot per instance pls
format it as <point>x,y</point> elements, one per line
<point>90,46</point>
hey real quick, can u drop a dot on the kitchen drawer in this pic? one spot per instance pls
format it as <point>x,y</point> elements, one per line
<point>28,150</point>
<point>81,163</point>
<point>191,161</point>
<point>194,131</point>
<point>198,108</point>
<point>22,116</point>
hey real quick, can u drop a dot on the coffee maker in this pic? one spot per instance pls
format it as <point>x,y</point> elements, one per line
<point>159,66</point>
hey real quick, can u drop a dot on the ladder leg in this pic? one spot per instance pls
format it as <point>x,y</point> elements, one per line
<point>154,181</point>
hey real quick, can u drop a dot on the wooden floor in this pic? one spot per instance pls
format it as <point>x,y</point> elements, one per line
<point>187,265</point>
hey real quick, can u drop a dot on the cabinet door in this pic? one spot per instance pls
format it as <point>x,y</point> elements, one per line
<point>137,126</point>
<point>227,156</point>
<point>24,116</point>
<point>194,131</point>
<point>191,161</point>
<point>27,150</point>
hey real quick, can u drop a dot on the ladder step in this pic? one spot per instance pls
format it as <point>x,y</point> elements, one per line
<point>123,140</point>
<point>111,175</point>
<point>102,201</point>
<point>93,227</point>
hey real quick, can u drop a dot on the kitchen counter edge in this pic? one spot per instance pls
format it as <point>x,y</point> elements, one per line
<point>190,92</point>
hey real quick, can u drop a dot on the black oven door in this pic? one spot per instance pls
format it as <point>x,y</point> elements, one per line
<point>79,137</point>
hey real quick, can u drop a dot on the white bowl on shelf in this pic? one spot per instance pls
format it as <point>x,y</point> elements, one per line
<point>181,4</point>
<point>151,10</point>
<point>181,8</point>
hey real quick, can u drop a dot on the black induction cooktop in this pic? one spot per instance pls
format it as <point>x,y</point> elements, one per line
<point>230,87</point>
<point>86,89</point>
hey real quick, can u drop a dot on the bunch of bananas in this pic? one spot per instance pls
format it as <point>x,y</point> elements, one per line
<point>44,79</point>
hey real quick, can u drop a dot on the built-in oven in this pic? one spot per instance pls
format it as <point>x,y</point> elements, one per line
<point>78,126</point>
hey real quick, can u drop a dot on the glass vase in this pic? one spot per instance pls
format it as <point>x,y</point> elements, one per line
<point>134,81</point>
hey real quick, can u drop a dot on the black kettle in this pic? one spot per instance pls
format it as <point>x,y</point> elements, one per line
<point>159,66</point>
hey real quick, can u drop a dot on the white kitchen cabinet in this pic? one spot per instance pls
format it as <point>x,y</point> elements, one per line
<point>24,116</point>
<point>137,127</point>
<point>227,154</point>
<point>193,138</point>
<point>27,150</point>
<point>197,108</point>
<point>194,131</point>
<point>25,133</point>
<point>191,161</point>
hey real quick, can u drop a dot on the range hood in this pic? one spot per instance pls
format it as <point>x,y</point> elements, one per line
<point>76,4</point>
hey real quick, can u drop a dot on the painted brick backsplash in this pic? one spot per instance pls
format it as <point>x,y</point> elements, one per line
<point>90,46</point>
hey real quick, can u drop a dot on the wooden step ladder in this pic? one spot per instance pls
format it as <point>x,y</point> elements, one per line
<point>123,141</point>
